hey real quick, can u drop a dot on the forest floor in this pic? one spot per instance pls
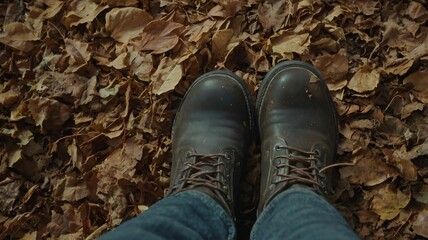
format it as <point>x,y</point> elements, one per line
<point>89,88</point>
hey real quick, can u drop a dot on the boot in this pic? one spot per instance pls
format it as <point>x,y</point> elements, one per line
<point>298,130</point>
<point>210,136</point>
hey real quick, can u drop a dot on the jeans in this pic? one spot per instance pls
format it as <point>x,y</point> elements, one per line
<point>294,214</point>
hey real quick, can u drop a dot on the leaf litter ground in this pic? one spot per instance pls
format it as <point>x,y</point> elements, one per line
<point>89,88</point>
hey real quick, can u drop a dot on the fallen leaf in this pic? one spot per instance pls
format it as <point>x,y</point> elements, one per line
<point>365,79</point>
<point>332,67</point>
<point>387,201</point>
<point>421,195</point>
<point>231,6</point>
<point>48,113</point>
<point>18,36</point>
<point>116,3</point>
<point>159,36</point>
<point>419,80</point>
<point>288,42</point>
<point>78,54</point>
<point>368,171</point>
<point>420,225</point>
<point>220,42</point>
<point>167,76</point>
<point>126,23</point>
<point>7,99</point>
<point>408,109</point>
<point>9,192</point>
<point>81,11</point>
<point>70,221</point>
<point>109,91</point>
<point>400,161</point>
<point>272,14</point>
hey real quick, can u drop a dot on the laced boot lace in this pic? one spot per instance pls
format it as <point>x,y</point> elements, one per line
<point>205,171</point>
<point>301,168</point>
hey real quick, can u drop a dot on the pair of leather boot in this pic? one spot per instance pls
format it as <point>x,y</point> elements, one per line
<point>297,127</point>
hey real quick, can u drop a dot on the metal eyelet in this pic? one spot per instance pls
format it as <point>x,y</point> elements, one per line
<point>277,148</point>
<point>317,153</point>
<point>227,155</point>
<point>277,162</point>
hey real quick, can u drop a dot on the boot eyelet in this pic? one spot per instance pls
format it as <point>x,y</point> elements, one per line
<point>317,153</point>
<point>227,156</point>
<point>277,162</point>
<point>277,148</point>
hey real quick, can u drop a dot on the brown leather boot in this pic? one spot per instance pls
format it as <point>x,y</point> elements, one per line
<point>298,130</point>
<point>210,136</point>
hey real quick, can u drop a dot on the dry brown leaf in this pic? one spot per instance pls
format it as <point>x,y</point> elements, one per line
<point>287,42</point>
<point>159,36</point>
<point>126,23</point>
<point>81,11</point>
<point>196,31</point>
<point>408,109</point>
<point>116,3</point>
<point>220,42</point>
<point>398,159</point>
<point>69,87</point>
<point>420,85</point>
<point>368,7</point>
<point>362,124</point>
<point>48,113</point>
<point>167,76</point>
<point>54,7</point>
<point>7,99</point>
<point>332,67</point>
<point>78,54</point>
<point>9,192</point>
<point>272,14</point>
<point>387,201</point>
<point>231,6</point>
<point>141,66</point>
<point>365,79</point>
<point>70,221</point>
<point>369,171</point>
<point>420,225</point>
<point>70,188</point>
<point>19,36</point>
<point>416,10</point>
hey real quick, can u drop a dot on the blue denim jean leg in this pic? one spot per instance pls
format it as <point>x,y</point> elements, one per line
<point>293,214</point>
<point>187,215</point>
<point>300,213</point>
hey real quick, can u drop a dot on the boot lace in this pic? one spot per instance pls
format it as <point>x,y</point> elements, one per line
<point>201,176</point>
<point>301,169</point>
